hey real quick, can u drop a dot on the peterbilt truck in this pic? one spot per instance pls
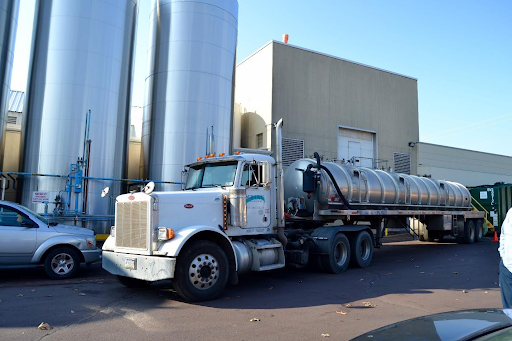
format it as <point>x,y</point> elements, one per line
<point>240,213</point>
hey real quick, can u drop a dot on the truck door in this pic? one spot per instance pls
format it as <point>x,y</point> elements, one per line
<point>258,196</point>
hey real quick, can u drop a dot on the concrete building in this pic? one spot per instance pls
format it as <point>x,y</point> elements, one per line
<point>338,108</point>
<point>468,167</point>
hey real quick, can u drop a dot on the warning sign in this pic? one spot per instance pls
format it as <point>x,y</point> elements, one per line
<point>40,197</point>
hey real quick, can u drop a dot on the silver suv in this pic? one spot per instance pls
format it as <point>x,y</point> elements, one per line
<point>28,239</point>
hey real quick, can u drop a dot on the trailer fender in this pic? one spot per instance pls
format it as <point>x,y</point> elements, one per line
<point>173,247</point>
<point>323,236</point>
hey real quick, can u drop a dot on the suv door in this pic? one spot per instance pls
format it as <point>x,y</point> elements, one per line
<point>18,236</point>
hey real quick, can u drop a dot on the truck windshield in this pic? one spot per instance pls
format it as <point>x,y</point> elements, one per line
<point>211,175</point>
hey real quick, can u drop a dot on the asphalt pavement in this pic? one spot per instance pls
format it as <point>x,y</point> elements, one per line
<point>406,279</point>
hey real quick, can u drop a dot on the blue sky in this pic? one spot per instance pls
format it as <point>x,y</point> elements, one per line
<point>460,52</point>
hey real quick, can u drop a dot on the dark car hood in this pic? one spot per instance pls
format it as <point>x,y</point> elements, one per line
<point>457,325</point>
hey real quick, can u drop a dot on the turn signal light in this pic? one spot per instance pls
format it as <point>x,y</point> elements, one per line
<point>165,233</point>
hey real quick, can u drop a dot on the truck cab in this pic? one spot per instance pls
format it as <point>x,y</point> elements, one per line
<point>221,224</point>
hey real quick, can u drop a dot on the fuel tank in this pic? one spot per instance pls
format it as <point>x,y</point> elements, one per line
<point>366,188</point>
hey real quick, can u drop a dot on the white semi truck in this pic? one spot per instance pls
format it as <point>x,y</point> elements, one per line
<point>240,213</point>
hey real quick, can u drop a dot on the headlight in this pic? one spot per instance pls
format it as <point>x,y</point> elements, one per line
<point>165,234</point>
<point>113,231</point>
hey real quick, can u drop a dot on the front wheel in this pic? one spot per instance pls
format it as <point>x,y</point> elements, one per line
<point>61,262</point>
<point>339,255</point>
<point>202,271</point>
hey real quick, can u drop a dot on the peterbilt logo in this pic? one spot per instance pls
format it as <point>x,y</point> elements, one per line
<point>188,206</point>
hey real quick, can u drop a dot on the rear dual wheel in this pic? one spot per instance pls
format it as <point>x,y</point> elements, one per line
<point>469,233</point>
<point>361,245</point>
<point>339,255</point>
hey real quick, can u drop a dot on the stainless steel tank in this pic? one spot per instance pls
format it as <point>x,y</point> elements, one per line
<point>82,59</point>
<point>374,189</point>
<point>8,24</point>
<point>189,88</point>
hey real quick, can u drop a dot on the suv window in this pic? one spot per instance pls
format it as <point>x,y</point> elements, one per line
<point>12,217</point>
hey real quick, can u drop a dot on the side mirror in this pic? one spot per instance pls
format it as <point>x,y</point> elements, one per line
<point>105,191</point>
<point>266,176</point>
<point>28,224</point>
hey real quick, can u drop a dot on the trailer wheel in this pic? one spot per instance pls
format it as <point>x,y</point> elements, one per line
<point>132,282</point>
<point>339,255</point>
<point>202,271</point>
<point>479,228</point>
<point>361,245</point>
<point>469,232</point>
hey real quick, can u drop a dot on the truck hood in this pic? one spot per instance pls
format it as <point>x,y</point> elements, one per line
<point>67,229</point>
<point>187,208</point>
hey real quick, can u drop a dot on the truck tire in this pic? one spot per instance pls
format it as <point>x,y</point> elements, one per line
<point>202,271</point>
<point>132,282</point>
<point>339,255</point>
<point>468,236</point>
<point>361,246</point>
<point>61,263</point>
<point>479,230</point>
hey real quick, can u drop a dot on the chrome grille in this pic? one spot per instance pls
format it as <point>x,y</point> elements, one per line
<point>132,224</point>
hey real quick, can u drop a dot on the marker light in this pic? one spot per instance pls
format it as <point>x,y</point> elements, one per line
<point>165,233</point>
<point>199,158</point>
<point>212,155</point>
<point>207,157</point>
<point>222,154</point>
<point>237,152</point>
<point>225,207</point>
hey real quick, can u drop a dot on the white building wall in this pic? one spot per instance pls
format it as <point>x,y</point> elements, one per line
<point>470,168</point>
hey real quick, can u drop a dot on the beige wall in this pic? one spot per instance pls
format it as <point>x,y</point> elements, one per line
<point>316,93</point>
<point>253,93</point>
<point>467,167</point>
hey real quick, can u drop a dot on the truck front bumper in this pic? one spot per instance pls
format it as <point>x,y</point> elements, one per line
<point>147,268</point>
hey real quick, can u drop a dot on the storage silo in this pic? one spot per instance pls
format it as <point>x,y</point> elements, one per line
<point>189,88</point>
<point>8,24</point>
<point>82,59</point>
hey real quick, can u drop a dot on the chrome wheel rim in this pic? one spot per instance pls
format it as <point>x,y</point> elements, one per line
<point>203,271</point>
<point>340,254</point>
<point>62,263</point>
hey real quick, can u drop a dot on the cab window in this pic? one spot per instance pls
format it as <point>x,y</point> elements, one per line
<point>252,175</point>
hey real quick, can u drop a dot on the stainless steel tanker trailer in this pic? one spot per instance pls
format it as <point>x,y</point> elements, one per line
<point>240,213</point>
<point>328,199</point>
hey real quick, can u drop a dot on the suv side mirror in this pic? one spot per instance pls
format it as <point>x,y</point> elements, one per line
<point>28,224</point>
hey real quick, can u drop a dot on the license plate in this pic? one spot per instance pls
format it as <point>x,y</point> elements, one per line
<point>130,263</point>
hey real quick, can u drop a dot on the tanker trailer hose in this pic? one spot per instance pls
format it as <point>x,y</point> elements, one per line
<point>320,166</point>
